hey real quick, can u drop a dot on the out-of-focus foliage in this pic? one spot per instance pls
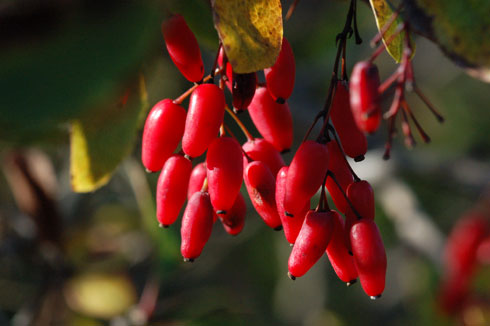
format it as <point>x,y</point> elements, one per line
<point>460,29</point>
<point>101,139</point>
<point>57,74</point>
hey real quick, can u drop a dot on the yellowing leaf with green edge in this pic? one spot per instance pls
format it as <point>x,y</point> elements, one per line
<point>100,141</point>
<point>382,13</point>
<point>100,295</point>
<point>250,31</point>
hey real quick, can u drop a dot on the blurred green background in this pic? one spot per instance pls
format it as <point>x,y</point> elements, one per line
<point>100,259</point>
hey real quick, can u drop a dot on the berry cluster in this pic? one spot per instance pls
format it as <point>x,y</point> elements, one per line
<point>280,194</point>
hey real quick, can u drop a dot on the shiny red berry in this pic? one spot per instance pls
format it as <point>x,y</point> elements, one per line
<point>224,164</point>
<point>291,225</point>
<point>183,48</point>
<point>311,243</point>
<point>272,120</point>
<point>338,165</point>
<point>369,256</point>
<point>234,220</point>
<point>353,140</point>
<point>204,118</point>
<point>172,189</point>
<point>364,96</point>
<point>259,149</point>
<point>164,128</point>
<point>280,77</point>
<point>261,187</point>
<point>197,224</point>
<point>342,262</point>
<point>305,175</point>
<point>196,179</point>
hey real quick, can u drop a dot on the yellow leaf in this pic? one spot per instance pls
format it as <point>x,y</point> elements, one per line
<point>382,13</point>
<point>100,141</point>
<point>250,31</point>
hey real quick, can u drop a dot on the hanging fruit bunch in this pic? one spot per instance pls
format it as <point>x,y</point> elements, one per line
<point>281,194</point>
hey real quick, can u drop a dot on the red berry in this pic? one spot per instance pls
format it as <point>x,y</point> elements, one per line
<point>483,251</point>
<point>228,70</point>
<point>243,90</point>
<point>197,224</point>
<point>273,120</point>
<point>196,179</point>
<point>224,163</point>
<point>204,118</point>
<point>463,242</point>
<point>234,220</point>
<point>183,48</point>
<point>342,262</point>
<point>261,187</point>
<point>352,139</point>
<point>305,175</point>
<point>364,96</point>
<point>162,133</point>
<point>369,256</point>
<point>172,189</point>
<point>260,149</point>
<point>291,225</point>
<point>340,168</point>
<point>361,195</point>
<point>311,243</point>
<point>280,77</point>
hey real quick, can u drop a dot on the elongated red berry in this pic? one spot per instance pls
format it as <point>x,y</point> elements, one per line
<point>369,256</point>
<point>197,224</point>
<point>364,96</point>
<point>172,189</point>
<point>361,195</point>
<point>243,90</point>
<point>291,225</point>
<point>224,162</point>
<point>462,244</point>
<point>261,187</point>
<point>342,262</point>
<point>340,168</point>
<point>353,140</point>
<point>183,48</point>
<point>162,133</point>
<point>305,175</point>
<point>273,120</point>
<point>311,243</point>
<point>204,118</point>
<point>196,179</point>
<point>234,220</point>
<point>280,77</point>
<point>260,149</point>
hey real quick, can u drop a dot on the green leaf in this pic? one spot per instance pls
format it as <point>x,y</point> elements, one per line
<point>382,13</point>
<point>78,63</point>
<point>250,31</point>
<point>102,139</point>
<point>460,28</point>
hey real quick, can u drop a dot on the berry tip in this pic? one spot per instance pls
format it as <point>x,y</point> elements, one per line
<point>359,158</point>
<point>351,282</point>
<point>291,276</point>
<point>375,297</point>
